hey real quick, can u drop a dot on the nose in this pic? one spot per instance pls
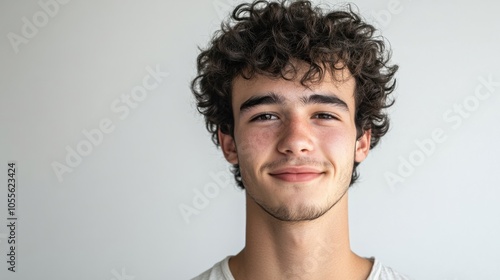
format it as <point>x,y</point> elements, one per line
<point>296,138</point>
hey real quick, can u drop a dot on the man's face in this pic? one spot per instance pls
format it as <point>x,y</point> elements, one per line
<point>295,145</point>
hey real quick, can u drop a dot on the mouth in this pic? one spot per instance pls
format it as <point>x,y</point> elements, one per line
<point>296,174</point>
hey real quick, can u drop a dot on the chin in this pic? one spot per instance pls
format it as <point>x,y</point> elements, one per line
<point>295,211</point>
<point>303,213</point>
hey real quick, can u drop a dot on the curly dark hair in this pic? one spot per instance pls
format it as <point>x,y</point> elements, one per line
<point>266,37</point>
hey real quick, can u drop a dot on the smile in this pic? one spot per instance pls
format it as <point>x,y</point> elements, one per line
<point>296,174</point>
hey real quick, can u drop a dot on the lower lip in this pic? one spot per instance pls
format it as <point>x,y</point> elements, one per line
<point>297,177</point>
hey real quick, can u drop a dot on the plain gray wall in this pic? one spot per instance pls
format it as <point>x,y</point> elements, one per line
<point>115,213</point>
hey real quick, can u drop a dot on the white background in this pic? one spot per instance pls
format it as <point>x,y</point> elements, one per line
<point>116,215</point>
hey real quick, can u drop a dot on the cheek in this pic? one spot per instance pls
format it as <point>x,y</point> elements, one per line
<point>336,143</point>
<point>252,153</point>
<point>255,142</point>
<point>338,149</point>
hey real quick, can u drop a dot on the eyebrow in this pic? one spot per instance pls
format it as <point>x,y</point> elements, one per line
<point>330,99</point>
<point>266,99</point>
<point>273,98</point>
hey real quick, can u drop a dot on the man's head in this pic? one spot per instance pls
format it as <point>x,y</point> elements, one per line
<point>292,45</point>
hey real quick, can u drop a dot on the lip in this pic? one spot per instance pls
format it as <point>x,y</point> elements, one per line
<point>296,174</point>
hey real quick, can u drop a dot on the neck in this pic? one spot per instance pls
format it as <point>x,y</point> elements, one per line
<point>317,249</point>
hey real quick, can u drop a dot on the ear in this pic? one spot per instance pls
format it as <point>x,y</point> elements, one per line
<point>228,147</point>
<point>362,146</point>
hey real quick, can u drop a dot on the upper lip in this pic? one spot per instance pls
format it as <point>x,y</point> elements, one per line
<point>295,170</point>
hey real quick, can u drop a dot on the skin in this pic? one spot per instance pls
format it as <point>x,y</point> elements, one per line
<point>296,147</point>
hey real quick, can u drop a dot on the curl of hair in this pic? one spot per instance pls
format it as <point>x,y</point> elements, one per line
<point>267,37</point>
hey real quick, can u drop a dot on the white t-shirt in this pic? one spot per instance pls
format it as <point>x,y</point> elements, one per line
<point>220,271</point>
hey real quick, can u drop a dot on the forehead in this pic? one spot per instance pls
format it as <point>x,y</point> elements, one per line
<point>341,84</point>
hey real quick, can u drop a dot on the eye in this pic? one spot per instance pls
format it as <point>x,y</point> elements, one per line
<point>325,116</point>
<point>264,117</point>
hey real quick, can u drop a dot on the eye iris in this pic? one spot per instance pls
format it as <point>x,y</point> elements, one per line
<point>265,117</point>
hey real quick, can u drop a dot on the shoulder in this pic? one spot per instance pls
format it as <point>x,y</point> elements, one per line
<point>382,272</point>
<point>220,271</point>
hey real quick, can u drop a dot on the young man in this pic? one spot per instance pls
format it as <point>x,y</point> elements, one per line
<point>294,96</point>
